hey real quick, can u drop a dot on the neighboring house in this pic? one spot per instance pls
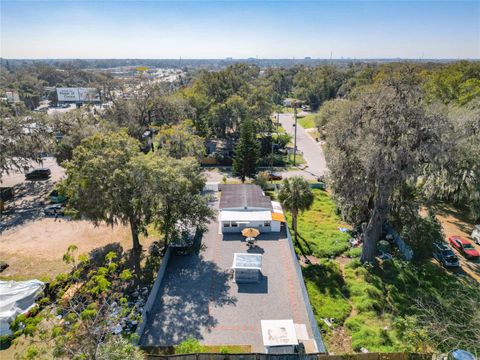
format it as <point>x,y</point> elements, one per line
<point>290,101</point>
<point>218,152</point>
<point>246,205</point>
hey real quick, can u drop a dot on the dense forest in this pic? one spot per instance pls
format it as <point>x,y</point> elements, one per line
<point>217,102</point>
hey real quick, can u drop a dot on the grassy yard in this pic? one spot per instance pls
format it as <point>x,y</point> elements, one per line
<point>382,318</point>
<point>288,159</point>
<point>371,326</point>
<point>373,307</point>
<point>318,228</point>
<point>308,121</point>
<point>326,290</point>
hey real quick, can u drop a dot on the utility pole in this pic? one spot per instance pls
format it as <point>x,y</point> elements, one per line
<point>295,138</point>
<point>271,141</point>
<point>277,124</point>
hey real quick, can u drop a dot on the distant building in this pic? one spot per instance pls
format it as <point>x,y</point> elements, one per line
<point>244,206</point>
<point>289,102</point>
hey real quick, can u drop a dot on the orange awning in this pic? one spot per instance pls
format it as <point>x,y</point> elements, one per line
<point>278,217</point>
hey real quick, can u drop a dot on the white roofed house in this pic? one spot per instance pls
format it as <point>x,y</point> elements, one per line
<point>246,206</point>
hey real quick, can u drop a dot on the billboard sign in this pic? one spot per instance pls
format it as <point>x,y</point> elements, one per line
<point>12,96</point>
<point>88,94</point>
<point>78,94</point>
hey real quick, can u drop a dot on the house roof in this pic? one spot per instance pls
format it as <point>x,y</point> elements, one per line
<point>247,216</point>
<point>243,196</point>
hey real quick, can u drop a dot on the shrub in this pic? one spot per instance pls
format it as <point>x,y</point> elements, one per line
<point>189,346</point>
<point>282,140</point>
<point>5,341</point>
<point>262,179</point>
<point>354,252</point>
<point>118,348</point>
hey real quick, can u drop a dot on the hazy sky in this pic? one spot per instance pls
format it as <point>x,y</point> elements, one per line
<point>239,29</point>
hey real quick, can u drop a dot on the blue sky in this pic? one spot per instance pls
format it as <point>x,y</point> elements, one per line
<point>240,29</point>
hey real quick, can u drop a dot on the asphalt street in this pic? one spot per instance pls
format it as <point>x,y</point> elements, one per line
<point>311,150</point>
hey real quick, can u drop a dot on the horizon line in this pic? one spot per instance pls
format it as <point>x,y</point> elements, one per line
<point>249,58</point>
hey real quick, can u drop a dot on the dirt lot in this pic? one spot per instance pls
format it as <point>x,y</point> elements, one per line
<point>35,249</point>
<point>33,244</point>
<point>455,222</point>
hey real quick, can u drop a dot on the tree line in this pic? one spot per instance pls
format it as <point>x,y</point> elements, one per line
<point>408,139</point>
<point>393,131</point>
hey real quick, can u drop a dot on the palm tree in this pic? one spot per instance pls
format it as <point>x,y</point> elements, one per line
<point>296,196</point>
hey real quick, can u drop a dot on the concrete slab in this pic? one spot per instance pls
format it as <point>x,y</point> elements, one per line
<point>199,299</point>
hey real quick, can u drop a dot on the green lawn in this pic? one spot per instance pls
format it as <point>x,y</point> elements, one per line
<point>375,305</point>
<point>318,228</point>
<point>288,159</point>
<point>385,320</point>
<point>307,122</point>
<point>367,326</point>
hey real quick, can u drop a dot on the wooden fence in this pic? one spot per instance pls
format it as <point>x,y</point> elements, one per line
<point>258,356</point>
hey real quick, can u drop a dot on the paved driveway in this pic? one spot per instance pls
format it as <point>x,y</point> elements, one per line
<point>312,151</point>
<point>199,299</point>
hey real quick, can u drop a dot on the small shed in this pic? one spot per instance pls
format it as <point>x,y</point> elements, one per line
<point>247,267</point>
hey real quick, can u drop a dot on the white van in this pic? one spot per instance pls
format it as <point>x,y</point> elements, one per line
<point>476,234</point>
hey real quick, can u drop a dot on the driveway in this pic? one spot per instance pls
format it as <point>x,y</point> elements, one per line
<point>312,151</point>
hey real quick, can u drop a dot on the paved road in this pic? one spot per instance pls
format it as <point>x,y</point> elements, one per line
<point>312,151</point>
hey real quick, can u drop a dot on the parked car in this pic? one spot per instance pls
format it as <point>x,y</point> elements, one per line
<point>274,176</point>
<point>56,198</point>
<point>476,234</point>
<point>38,174</point>
<point>445,256</point>
<point>464,247</point>
<point>55,209</point>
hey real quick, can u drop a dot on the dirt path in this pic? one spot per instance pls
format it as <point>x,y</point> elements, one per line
<point>340,341</point>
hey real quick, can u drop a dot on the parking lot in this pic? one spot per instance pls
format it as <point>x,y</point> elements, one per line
<point>198,298</point>
<point>453,224</point>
